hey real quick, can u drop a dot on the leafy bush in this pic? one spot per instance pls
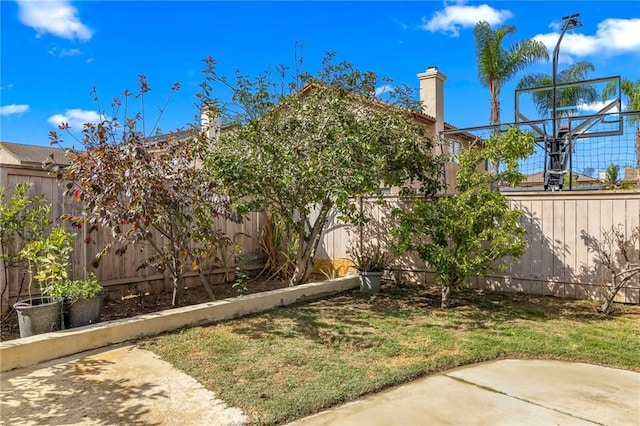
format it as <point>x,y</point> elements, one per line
<point>76,289</point>
<point>23,219</point>
<point>371,259</point>
<point>474,231</point>
<point>48,259</point>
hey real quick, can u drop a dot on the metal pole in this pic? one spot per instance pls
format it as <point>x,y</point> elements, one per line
<point>568,22</point>
<point>554,148</point>
<point>554,71</point>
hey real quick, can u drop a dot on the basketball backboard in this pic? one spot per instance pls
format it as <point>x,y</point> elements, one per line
<point>581,109</point>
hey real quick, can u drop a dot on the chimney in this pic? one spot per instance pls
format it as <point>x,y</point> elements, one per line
<point>432,95</point>
<point>210,122</point>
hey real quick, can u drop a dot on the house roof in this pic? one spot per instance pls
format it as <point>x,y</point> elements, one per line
<point>539,178</point>
<point>156,141</point>
<point>420,116</point>
<point>29,155</point>
<point>19,154</point>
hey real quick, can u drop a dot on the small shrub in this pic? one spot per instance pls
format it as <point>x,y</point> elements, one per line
<point>371,259</point>
<point>76,289</point>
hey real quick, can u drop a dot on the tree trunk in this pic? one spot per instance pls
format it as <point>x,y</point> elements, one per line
<point>619,281</point>
<point>205,283</point>
<point>607,305</point>
<point>300,267</point>
<point>605,308</point>
<point>175,279</point>
<point>495,120</point>
<point>4,284</point>
<point>307,248</point>
<point>446,290</point>
<point>174,297</point>
<point>638,154</point>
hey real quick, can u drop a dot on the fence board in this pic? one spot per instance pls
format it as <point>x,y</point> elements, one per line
<point>114,270</point>
<point>557,261</point>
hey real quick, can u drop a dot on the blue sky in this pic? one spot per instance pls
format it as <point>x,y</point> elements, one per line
<point>54,52</point>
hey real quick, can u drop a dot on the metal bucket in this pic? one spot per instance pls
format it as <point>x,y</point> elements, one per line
<point>39,315</point>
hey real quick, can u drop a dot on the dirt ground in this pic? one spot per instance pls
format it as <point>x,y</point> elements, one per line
<point>142,304</point>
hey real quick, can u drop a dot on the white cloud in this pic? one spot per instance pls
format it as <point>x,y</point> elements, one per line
<point>61,53</point>
<point>57,17</point>
<point>70,52</point>
<point>76,118</point>
<point>7,87</point>
<point>384,89</point>
<point>591,107</point>
<point>556,26</point>
<point>13,109</point>
<point>402,25</point>
<point>595,107</point>
<point>457,16</point>
<point>612,37</point>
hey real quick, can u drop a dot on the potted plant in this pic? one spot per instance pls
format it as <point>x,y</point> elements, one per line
<point>23,218</point>
<point>371,262</point>
<point>82,300</point>
<point>48,261</point>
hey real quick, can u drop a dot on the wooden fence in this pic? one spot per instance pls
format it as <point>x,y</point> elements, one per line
<point>558,261</point>
<point>117,273</point>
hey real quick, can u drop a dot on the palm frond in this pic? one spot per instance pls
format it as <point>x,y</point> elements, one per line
<point>576,72</point>
<point>565,97</point>
<point>631,90</point>
<point>503,31</point>
<point>522,54</point>
<point>483,38</point>
<point>530,81</point>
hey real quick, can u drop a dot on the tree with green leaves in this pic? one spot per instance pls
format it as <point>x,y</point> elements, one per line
<point>23,219</point>
<point>631,90</point>
<point>48,259</point>
<point>612,177</point>
<point>474,231</point>
<point>568,98</point>
<point>148,191</point>
<point>303,145</point>
<point>497,65</point>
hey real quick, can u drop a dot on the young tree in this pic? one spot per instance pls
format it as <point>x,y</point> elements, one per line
<point>565,97</point>
<point>304,145</point>
<point>474,231</point>
<point>620,255</point>
<point>23,219</point>
<point>631,90</point>
<point>612,178</point>
<point>147,191</point>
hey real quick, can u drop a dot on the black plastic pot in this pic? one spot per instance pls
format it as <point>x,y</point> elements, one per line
<point>81,312</point>
<point>38,315</point>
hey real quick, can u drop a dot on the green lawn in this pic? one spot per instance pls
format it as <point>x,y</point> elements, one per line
<point>295,361</point>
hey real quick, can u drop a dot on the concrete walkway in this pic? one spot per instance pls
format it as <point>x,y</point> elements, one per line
<point>119,385</point>
<point>506,392</point>
<point>125,385</point>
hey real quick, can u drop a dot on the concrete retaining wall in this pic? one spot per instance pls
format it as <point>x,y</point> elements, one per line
<point>44,347</point>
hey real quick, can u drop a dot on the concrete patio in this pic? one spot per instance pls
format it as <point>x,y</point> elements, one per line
<point>124,384</point>
<point>505,392</point>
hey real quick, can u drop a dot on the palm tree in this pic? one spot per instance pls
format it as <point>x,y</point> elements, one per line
<point>568,97</point>
<point>631,90</point>
<point>496,65</point>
